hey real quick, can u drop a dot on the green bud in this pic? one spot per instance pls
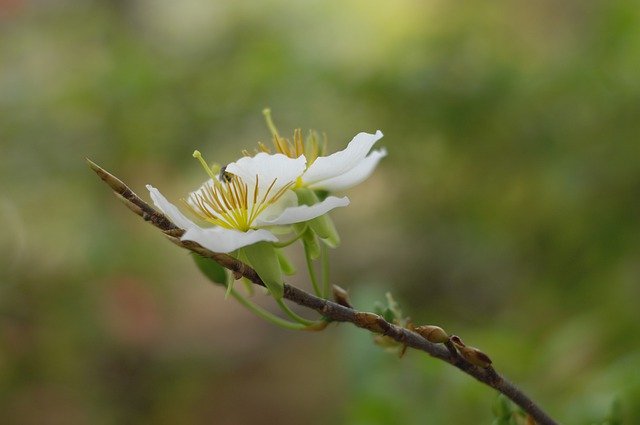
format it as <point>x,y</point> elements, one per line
<point>311,244</point>
<point>323,226</point>
<point>287,267</point>
<point>263,258</point>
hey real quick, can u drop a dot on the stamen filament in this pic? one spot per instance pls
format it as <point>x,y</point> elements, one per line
<point>198,156</point>
<point>272,127</point>
<point>228,204</point>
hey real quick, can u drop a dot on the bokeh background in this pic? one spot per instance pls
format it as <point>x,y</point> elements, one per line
<point>507,211</point>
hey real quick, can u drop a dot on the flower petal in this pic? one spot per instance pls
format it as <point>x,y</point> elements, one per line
<point>355,176</point>
<point>326,167</point>
<point>305,212</point>
<point>219,239</point>
<point>168,209</point>
<point>287,200</point>
<point>268,167</point>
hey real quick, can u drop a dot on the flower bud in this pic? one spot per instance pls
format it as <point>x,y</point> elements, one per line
<point>457,341</point>
<point>432,333</point>
<point>341,296</point>
<point>370,321</point>
<point>475,356</point>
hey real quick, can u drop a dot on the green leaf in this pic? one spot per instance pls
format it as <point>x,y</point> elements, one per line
<point>389,315</point>
<point>263,258</point>
<point>212,270</point>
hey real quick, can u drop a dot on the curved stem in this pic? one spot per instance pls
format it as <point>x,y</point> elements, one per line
<point>324,260</point>
<point>264,314</point>
<point>312,273</point>
<point>293,315</point>
<point>290,241</point>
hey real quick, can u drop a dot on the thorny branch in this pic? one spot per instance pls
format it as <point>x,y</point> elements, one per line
<point>333,311</point>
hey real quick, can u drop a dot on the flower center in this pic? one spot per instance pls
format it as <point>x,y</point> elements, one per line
<point>229,202</point>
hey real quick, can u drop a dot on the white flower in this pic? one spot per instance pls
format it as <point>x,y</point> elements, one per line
<point>252,194</point>
<point>338,171</point>
<point>346,168</point>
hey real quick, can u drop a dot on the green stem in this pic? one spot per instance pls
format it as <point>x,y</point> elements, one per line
<point>290,241</point>
<point>264,314</point>
<point>293,315</point>
<point>326,286</point>
<point>312,273</point>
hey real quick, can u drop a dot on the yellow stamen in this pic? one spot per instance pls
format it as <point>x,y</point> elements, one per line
<point>310,146</point>
<point>227,204</point>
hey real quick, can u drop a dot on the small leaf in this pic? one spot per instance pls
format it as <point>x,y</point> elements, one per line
<point>212,270</point>
<point>388,315</point>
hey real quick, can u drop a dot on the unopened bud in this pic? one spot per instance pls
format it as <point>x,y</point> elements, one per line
<point>457,341</point>
<point>370,321</point>
<point>475,356</point>
<point>341,296</point>
<point>432,333</point>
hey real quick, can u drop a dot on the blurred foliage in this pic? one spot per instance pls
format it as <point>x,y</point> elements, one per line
<point>507,211</point>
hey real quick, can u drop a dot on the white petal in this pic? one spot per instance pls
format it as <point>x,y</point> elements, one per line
<point>287,200</point>
<point>168,209</point>
<point>202,189</point>
<point>269,168</point>
<point>355,176</point>
<point>219,239</point>
<point>326,167</point>
<point>305,212</point>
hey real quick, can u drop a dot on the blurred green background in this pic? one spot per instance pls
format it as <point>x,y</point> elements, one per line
<point>507,211</point>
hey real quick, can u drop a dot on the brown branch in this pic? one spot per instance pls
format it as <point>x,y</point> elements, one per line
<point>446,352</point>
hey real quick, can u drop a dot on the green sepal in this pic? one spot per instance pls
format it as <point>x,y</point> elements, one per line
<point>211,269</point>
<point>323,226</point>
<point>263,258</point>
<point>287,266</point>
<point>322,194</point>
